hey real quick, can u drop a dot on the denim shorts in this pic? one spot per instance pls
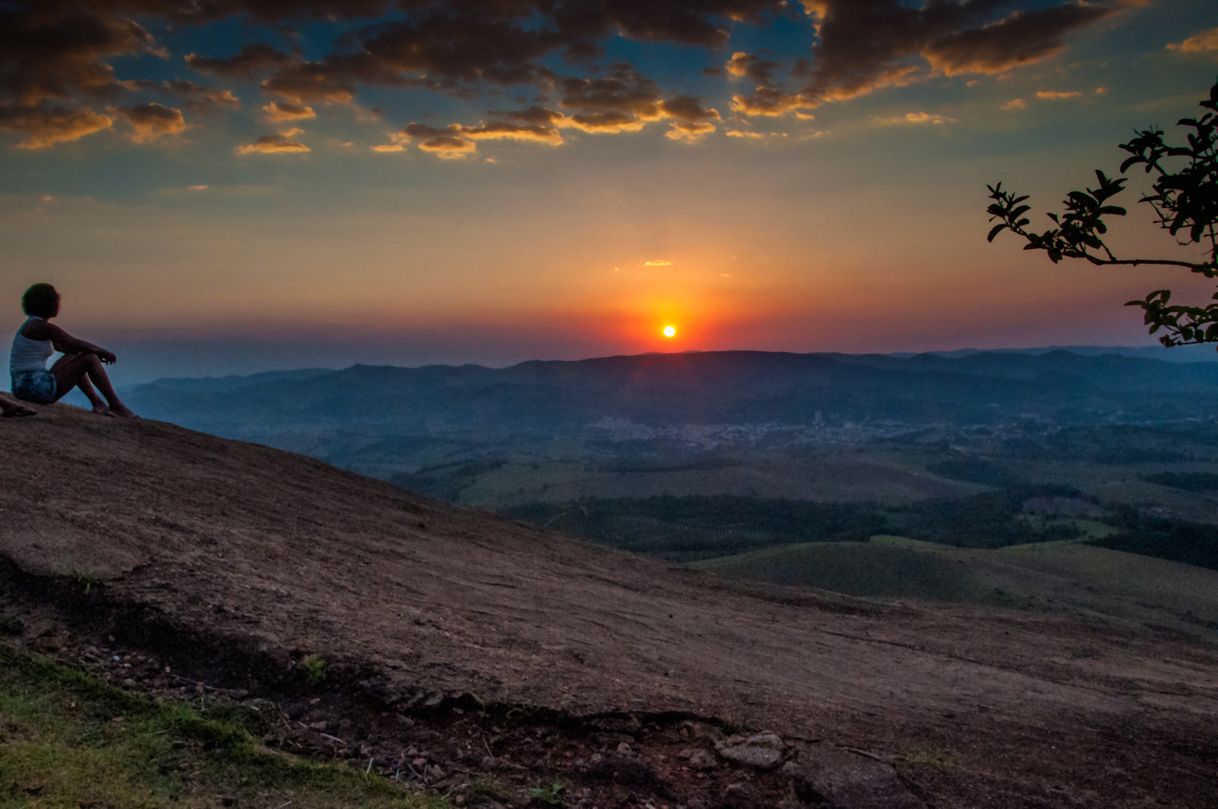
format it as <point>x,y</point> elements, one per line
<point>38,387</point>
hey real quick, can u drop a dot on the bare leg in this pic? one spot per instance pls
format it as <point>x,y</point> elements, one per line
<point>85,371</point>
<point>86,387</point>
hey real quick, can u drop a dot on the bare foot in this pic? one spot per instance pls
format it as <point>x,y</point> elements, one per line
<point>122,413</point>
<point>102,410</point>
<point>18,411</point>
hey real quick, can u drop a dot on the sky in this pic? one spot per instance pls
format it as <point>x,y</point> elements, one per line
<point>228,186</point>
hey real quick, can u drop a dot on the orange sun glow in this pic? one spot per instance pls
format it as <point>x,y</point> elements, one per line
<point>669,331</point>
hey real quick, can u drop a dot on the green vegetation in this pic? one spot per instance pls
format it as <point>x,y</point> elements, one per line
<point>986,520</point>
<point>702,527</point>
<point>71,740</point>
<point>697,527</point>
<point>863,569</point>
<point>1176,541</point>
<point>975,470</point>
<point>1185,481</point>
<point>1184,202</point>
<point>549,794</point>
<point>314,667</point>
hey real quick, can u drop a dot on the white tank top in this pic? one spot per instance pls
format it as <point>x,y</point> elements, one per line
<point>29,355</point>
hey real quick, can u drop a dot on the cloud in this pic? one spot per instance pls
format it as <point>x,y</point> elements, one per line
<point>1015,104</point>
<point>61,56</point>
<point>1019,38</point>
<point>152,121</point>
<point>689,132</point>
<point>657,262</point>
<point>252,60</point>
<point>770,102</point>
<point>867,46</point>
<point>446,143</point>
<point>1201,42</point>
<point>742,65</point>
<point>311,83</point>
<point>917,119</point>
<point>529,133</point>
<point>273,144</point>
<point>281,111</point>
<point>191,94</point>
<point>1057,95</point>
<point>44,126</point>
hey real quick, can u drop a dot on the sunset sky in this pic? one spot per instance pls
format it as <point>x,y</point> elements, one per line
<point>225,186</point>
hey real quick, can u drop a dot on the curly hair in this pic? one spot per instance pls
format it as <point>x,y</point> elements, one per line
<point>41,300</point>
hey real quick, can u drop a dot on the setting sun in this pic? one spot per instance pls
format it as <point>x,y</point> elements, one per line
<point>669,332</point>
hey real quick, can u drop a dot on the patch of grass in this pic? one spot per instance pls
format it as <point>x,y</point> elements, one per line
<point>84,581</point>
<point>552,794</point>
<point>71,740</point>
<point>314,667</point>
<point>486,790</point>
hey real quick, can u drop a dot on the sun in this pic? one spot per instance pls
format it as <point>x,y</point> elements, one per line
<point>669,331</point>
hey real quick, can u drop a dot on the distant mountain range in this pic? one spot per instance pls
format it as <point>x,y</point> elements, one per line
<point>552,399</point>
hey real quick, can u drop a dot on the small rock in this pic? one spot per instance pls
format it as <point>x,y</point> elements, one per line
<point>740,796</point>
<point>625,749</point>
<point>702,760</point>
<point>762,751</point>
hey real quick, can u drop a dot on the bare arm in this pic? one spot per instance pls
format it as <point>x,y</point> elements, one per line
<point>64,342</point>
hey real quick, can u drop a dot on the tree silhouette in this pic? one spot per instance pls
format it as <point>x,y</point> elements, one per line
<point>1184,201</point>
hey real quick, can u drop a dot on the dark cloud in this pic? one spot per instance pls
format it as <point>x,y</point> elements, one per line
<point>743,65</point>
<point>192,94</point>
<point>281,111</point>
<point>44,126</point>
<point>694,22</point>
<point>273,144</point>
<point>62,57</point>
<point>152,121</point>
<point>865,45</point>
<point>57,57</point>
<point>249,62</point>
<point>311,83</point>
<point>623,90</point>
<point>1018,39</point>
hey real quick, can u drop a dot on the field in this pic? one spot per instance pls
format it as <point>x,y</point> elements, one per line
<point>1067,576</point>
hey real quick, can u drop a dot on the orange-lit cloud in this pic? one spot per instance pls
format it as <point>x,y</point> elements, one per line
<point>152,121</point>
<point>689,132</point>
<point>44,126</point>
<point>657,262</point>
<point>770,102</point>
<point>273,144</point>
<point>743,65</point>
<point>918,119</point>
<point>1201,42</point>
<point>1057,95</point>
<point>1015,104</point>
<point>281,111</point>
<point>310,83</point>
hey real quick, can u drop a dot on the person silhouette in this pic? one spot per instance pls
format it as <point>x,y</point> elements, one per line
<point>81,366</point>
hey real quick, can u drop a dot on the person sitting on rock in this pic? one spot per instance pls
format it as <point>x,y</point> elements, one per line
<point>81,366</point>
<point>11,408</point>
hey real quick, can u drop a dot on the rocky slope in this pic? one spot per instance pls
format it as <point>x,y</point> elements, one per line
<point>446,646</point>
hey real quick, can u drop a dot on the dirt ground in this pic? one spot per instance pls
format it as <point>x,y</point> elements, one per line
<point>114,536</point>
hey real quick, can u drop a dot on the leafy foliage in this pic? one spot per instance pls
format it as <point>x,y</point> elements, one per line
<point>1184,198</point>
